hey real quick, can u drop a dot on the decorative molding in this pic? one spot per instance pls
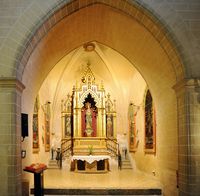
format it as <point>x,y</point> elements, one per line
<point>9,82</point>
<point>185,83</point>
<point>188,84</point>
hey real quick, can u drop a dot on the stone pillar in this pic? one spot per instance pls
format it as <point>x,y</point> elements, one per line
<point>188,137</point>
<point>10,136</point>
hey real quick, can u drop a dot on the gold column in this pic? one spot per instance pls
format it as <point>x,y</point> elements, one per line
<point>79,122</point>
<point>63,124</point>
<point>114,125</point>
<point>103,122</point>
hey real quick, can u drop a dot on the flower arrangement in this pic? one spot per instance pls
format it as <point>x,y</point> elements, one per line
<point>90,148</point>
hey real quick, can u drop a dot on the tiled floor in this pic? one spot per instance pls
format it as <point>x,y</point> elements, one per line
<point>56,178</point>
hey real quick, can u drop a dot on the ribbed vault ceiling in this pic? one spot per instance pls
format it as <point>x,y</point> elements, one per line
<point>108,66</point>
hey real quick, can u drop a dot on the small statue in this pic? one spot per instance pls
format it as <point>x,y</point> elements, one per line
<point>88,117</point>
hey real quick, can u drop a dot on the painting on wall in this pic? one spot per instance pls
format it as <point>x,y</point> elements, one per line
<point>133,141</point>
<point>68,125</point>
<point>67,121</point>
<point>47,116</point>
<point>35,127</point>
<point>150,125</point>
<point>109,125</point>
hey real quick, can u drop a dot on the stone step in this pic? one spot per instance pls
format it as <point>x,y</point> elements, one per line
<point>53,167</point>
<point>53,164</point>
<point>126,160</point>
<point>101,191</point>
<point>126,164</point>
<point>127,167</point>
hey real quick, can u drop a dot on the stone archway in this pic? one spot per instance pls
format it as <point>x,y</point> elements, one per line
<point>153,61</point>
<point>58,31</point>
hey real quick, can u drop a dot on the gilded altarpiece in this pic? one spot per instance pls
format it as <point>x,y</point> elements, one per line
<point>36,126</point>
<point>93,116</point>
<point>150,125</point>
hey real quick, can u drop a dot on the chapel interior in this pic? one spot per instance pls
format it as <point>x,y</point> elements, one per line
<point>126,86</point>
<point>98,80</point>
<point>103,95</point>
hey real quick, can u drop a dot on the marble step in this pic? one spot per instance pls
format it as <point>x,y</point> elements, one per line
<point>127,167</point>
<point>53,164</point>
<point>102,191</point>
<point>126,164</point>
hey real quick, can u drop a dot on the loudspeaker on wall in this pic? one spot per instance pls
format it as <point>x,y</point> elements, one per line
<point>24,125</point>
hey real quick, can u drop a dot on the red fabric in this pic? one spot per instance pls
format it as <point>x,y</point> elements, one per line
<point>83,125</point>
<point>94,123</point>
<point>36,167</point>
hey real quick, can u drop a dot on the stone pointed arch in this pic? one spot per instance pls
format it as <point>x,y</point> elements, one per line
<point>135,10</point>
<point>145,38</point>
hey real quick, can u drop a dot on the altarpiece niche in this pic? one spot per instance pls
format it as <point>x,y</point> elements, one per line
<point>89,115</point>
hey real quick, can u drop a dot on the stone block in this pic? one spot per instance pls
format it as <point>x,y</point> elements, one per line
<point>25,187</point>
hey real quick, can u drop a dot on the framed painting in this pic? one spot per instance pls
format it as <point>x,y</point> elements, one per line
<point>35,127</point>
<point>109,126</point>
<point>132,112</point>
<point>150,125</point>
<point>68,125</point>
<point>47,126</point>
<point>35,134</point>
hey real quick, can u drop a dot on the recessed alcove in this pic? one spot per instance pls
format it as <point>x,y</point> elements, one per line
<point>127,66</point>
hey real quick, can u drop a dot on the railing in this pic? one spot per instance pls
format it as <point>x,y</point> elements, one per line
<point>112,146</point>
<point>66,147</point>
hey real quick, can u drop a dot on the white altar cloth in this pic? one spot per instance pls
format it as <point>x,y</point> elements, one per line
<point>91,158</point>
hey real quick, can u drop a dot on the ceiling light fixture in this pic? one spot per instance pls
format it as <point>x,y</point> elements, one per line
<point>89,47</point>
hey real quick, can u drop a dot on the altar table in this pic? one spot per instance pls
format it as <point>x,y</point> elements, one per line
<point>90,164</point>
